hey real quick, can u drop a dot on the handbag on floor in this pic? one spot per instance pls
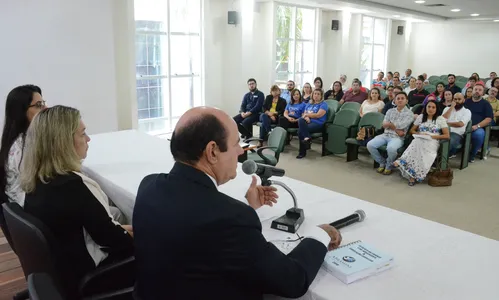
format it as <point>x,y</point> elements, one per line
<point>365,134</point>
<point>440,178</point>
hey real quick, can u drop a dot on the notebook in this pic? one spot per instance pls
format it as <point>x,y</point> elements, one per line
<point>356,261</point>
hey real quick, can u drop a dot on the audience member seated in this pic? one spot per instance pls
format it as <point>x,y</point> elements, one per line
<point>286,94</point>
<point>457,117</point>
<point>312,121</point>
<point>293,111</point>
<point>373,103</point>
<point>417,159</point>
<point>439,91</point>
<point>425,79</point>
<point>412,85</point>
<point>481,116</point>
<point>408,75</point>
<point>273,108</point>
<point>396,124</point>
<point>396,74</point>
<point>492,75</point>
<point>469,93</point>
<point>355,94</point>
<point>478,79</point>
<point>447,98</point>
<point>495,83</point>
<point>250,110</point>
<point>396,81</point>
<point>389,95</point>
<point>379,82</point>
<point>343,80</point>
<point>418,95</point>
<point>470,84</point>
<point>451,86</point>
<point>389,79</point>
<point>492,99</point>
<point>318,84</point>
<point>392,104</point>
<point>21,106</point>
<point>306,92</point>
<point>70,204</point>
<point>335,92</point>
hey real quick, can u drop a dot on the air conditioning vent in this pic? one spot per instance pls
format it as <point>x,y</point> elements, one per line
<point>435,5</point>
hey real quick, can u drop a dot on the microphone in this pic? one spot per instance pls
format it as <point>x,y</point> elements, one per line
<point>250,167</point>
<point>358,216</point>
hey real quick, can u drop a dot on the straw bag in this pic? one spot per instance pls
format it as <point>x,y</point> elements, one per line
<point>440,177</point>
<point>365,134</point>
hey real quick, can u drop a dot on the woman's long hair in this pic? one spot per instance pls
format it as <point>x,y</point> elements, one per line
<point>50,149</point>
<point>16,123</point>
<point>379,94</point>
<point>438,112</point>
<point>293,97</point>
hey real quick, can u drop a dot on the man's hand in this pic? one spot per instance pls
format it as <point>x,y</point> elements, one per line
<point>400,132</point>
<point>243,114</point>
<point>453,105</point>
<point>307,119</point>
<point>258,195</point>
<point>474,127</point>
<point>129,229</point>
<point>334,234</point>
<point>386,124</point>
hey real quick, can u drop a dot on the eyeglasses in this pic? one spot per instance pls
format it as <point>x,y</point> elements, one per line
<point>39,104</point>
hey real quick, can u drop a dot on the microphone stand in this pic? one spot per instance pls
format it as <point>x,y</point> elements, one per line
<point>291,221</point>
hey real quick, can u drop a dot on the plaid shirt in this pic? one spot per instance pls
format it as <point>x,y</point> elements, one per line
<point>401,119</point>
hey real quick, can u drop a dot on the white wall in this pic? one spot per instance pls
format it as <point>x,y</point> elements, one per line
<point>459,48</point>
<point>65,47</point>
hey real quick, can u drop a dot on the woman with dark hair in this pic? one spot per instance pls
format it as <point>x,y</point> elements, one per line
<point>273,108</point>
<point>469,93</point>
<point>293,111</point>
<point>318,83</point>
<point>427,130</point>
<point>439,91</point>
<point>373,103</point>
<point>447,98</point>
<point>495,83</point>
<point>22,105</point>
<point>335,93</point>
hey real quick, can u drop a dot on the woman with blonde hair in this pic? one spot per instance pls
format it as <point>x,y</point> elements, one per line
<point>273,108</point>
<point>306,92</point>
<point>71,205</point>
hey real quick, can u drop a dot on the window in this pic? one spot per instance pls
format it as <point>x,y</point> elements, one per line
<point>168,61</point>
<point>373,49</point>
<point>295,44</point>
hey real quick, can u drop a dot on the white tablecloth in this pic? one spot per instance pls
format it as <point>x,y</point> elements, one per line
<point>432,261</point>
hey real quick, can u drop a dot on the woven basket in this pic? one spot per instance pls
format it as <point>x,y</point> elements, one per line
<point>441,178</point>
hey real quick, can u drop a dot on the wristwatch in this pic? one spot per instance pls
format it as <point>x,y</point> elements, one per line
<point>478,126</point>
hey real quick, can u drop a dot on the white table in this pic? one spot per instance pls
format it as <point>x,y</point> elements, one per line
<point>432,261</point>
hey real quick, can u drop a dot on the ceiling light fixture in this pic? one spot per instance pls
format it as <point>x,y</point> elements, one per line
<point>474,15</point>
<point>455,10</point>
<point>396,16</point>
<point>420,1</point>
<point>496,20</point>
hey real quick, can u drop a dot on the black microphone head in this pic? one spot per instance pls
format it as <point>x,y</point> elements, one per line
<point>362,215</point>
<point>249,167</point>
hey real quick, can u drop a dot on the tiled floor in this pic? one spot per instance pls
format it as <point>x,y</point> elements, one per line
<point>11,275</point>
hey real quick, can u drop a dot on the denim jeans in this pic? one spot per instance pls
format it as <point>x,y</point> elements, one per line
<point>265,126</point>
<point>455,141</point>
<point>304,128</point>
<point>477,138</point>
<point>247,123</point>
<point>393,144</point>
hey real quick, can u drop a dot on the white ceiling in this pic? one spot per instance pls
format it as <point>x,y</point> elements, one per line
<point>409,10</point>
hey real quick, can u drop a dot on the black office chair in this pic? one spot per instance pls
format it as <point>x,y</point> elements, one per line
<point>42,287</point>
<point>37,250</point>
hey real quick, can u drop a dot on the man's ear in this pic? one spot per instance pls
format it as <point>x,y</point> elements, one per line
<point>212,152</point>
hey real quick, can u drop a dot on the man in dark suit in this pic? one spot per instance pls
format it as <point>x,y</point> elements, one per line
<point>194,242</point>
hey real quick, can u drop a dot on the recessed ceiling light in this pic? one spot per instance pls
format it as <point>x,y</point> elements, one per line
<point>396,16</point>
<point>455,10</point>
<point>420,1</point>
<point>474,15</point>
<point>496,20</point>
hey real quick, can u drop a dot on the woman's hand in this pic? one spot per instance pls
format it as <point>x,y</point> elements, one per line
<point>307,119</point>
<point>129,229</point>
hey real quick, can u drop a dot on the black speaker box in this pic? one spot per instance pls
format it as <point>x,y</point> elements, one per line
<point>400,30</point>
<point>232,17</point>
<point>335,25</point>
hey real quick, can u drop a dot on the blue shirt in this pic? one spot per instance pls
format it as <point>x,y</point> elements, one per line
<point>286,95</point>
<point>295,110</point>
<point>314,108</point>
<point>379,84</point>
<point>252,102</point>
<point>479,110</point>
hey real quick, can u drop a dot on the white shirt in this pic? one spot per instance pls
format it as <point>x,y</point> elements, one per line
<point>313,232</point>
<point>462,115</point>
<point>13,188</point>
<point>368,107</point>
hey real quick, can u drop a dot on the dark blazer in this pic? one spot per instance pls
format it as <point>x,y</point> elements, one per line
<point>338,96</point>
<point>252,102</point>
<point>66,206</point>
<point>193,242</point>
<point>280,108</point>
